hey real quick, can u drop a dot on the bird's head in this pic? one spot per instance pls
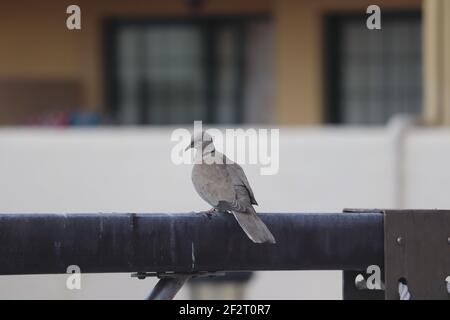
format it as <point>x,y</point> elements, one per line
<point>200,141</point>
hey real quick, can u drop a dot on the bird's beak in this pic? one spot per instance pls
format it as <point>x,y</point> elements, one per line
<point>189,146</point>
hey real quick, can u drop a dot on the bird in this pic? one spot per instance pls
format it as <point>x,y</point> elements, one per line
<point>223,184</point>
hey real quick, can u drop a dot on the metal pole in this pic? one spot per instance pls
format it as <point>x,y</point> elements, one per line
<point>100,243</point>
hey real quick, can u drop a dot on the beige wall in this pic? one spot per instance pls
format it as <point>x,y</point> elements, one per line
<point>35,42</point>
<point>36,45</point>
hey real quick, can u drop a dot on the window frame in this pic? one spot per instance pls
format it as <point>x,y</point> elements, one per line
<point>208,25</point>
<point>332,38</point>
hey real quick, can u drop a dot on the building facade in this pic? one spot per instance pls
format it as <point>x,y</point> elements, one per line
<point>303,62</point>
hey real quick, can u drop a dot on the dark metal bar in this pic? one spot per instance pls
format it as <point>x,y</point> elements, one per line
<point>99,243</point>
<point>167,288</point>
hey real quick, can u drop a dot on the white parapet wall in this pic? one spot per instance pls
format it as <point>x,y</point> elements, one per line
<point>130,170</point>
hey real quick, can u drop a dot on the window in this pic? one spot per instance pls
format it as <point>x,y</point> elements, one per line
<point>175,72</point>
<point>374,74</point>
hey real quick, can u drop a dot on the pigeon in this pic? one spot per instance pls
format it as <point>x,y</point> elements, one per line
<point>223,184</point>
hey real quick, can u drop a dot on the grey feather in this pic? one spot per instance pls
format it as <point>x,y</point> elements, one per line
<point>236,170</point>
<point>253,226</point>
<point>249,221</point>
<point>223,184</point>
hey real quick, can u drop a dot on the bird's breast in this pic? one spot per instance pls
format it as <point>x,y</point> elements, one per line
<point>212,183</point>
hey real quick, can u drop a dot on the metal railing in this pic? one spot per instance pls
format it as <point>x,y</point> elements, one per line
<point>192,244</point>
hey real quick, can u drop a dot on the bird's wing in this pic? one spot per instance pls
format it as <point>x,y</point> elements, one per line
<point>241,206</point>
<point>240,203</point>
<point>240,179</point>
<point>213,183</point>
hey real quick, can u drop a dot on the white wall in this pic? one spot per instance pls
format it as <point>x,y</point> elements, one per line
<point>129,170</point>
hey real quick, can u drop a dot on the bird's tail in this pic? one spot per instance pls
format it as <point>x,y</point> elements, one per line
<point>253,226</point>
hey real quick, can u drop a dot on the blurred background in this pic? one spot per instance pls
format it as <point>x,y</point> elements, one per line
<point>86,115</point>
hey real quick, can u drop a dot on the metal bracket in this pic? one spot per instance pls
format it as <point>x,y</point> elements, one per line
<point>171,282</point>
<point>417,250</point>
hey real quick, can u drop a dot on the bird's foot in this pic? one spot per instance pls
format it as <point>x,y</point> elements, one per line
<point>209,212</point>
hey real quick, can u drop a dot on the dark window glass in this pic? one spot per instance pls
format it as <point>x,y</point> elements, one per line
<point>374,74</point>
<point>178,72</point>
